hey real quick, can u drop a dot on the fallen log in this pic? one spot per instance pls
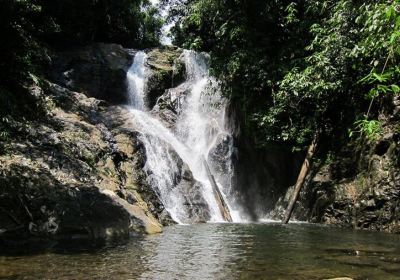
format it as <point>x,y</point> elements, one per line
<point>301,178</point>
<point>223,207</point>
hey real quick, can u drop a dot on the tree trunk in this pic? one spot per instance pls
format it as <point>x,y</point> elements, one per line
<point>223,207</point>
<point>302,176</point>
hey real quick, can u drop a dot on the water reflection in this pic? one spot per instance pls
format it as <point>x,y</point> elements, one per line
<point>223,251</point>
<point>192,254</point>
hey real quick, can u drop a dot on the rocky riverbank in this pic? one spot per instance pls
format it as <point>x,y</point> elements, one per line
<point>359,187</point>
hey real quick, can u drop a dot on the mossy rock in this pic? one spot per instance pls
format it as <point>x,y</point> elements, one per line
<point>166,71</point>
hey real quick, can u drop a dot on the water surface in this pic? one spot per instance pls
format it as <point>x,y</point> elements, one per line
<point>223,251</point>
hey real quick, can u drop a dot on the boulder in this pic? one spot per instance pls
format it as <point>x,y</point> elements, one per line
<point>169,105</point>
<point>35,203</point>
<point>141,220</point>
<point>196,207</point>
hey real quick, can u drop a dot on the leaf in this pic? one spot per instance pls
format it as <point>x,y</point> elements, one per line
<point>378,77</point>
<point>395,88</point>
<point>390,12</point>
<point>394,37</point>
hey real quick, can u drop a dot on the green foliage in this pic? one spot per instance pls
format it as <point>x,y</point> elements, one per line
<point>295,67</point>
<point>371,129</point>
<point>128,22</point>
<point>20,51</point>
<point>29,27</point>
<point>381,18</point>
<point>251,44</point>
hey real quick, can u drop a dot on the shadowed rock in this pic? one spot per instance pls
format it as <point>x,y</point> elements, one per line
<point>98,71</point>
<point>56,177</point>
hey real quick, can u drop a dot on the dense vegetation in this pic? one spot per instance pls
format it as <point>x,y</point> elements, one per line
<point>29,27</point>
<point>298,67</point>
<point>293,67</point>
<point>32,29</point>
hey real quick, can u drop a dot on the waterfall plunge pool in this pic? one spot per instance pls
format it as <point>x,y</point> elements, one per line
<point>222,251</point>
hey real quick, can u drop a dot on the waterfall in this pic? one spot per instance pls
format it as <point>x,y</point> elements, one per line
<point>199,133</point>
<point>136,78</point>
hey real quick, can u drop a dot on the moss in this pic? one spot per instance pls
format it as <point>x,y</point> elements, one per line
<point>362,182</point>
<point>89,157</point>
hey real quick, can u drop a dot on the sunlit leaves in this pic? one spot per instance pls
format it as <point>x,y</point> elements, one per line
<point>292,11</point>
<point>371,129</point>
<point>296,66</point>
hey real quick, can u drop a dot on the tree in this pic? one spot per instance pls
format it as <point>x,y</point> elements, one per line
<point>296,67</point>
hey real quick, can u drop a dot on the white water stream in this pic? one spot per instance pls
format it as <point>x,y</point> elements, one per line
<point>200,126</point>
<point>136,78</point>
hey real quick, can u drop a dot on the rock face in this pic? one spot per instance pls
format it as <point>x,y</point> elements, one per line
<point>98,71</point>
<point>169,105</point>
<point>195,206</point>
<point>359,190</point>
<point>77,173</point>
<point>219,156</point>
<point>166,71</point>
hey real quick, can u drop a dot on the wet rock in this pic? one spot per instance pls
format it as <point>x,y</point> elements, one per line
<point>141,220</point>
<point>196,207</point>
<point>169,105</point>
<point>220,157</point>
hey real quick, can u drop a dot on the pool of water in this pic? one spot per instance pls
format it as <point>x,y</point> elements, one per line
<point>222,251</point>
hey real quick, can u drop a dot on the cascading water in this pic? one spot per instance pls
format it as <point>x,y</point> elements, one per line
<point>199,134</point>
<point>202,126</point>
<point>136,78</point>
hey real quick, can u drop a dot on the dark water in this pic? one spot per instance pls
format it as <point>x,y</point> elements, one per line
<point>223,251</point>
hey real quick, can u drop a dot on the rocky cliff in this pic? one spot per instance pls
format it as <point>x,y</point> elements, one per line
<point>359,186</point>
<point>77,173</point>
